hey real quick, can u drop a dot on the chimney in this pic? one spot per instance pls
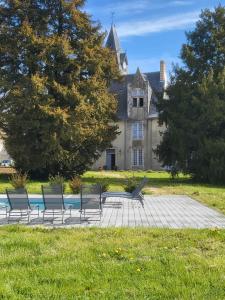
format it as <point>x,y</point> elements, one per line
<point>163,76</point>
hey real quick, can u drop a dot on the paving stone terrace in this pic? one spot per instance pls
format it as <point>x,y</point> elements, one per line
<point>157,211</point>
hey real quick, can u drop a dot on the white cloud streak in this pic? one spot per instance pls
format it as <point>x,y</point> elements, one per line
<point>140,28</point>
<point>180,3</point>
<point>121,8</point>
<point>128,7</point>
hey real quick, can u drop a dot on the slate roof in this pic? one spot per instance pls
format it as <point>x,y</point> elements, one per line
<point>113,40</point>
<point>123,58</point>
<point>113,43</point>
<point>120,89</point>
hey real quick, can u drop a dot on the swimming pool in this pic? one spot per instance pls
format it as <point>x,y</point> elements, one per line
<point>38,200</point>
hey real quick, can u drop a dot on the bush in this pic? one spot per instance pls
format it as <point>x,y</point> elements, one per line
<point>19,180</point>
<point>131,185</point>
<point>57,180</point>
<point>104,186</point>
<point>75,184</point>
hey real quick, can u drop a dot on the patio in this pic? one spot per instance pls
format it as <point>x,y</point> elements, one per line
<point>158,211</point>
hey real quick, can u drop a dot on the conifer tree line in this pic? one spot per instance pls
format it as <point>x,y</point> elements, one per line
<point>194,115</point>
<point>55,108</point>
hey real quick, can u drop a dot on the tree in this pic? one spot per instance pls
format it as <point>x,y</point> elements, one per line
<point>55,107</point>
<point>194,115</point>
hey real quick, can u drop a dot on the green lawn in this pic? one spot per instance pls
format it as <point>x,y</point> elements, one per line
<point>121,263</point>
<point>111,264</point>
<point>159,183</point>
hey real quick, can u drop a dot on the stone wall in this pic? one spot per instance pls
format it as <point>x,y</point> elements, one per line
<point>119,145</point>
<point>155,141</point>
<point>124,144</point>
<point>3,152</point>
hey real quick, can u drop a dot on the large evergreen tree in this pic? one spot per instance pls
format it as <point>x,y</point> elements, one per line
<point>55,108</point>
<point>194,115</point>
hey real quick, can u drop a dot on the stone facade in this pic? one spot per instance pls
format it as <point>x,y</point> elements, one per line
<point>138,117</point>
<point>3,153</point>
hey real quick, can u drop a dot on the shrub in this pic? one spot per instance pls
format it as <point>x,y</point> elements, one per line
<point>19,180</point>
<point>104,186</point>
<point>131,185</point>
<point>57,180</point>
<point>75,184</point>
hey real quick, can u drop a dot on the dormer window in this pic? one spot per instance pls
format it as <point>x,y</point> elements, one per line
<point>135,102</point>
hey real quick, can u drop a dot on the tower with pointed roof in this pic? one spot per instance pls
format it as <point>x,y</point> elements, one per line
<point>137,115</point>
<point>114,44</point>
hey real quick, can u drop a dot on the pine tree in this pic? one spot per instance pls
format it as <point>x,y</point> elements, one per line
<point>55,107</point>
<point>194,141</point>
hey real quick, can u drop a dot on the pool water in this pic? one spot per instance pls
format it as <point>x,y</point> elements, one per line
<point>74,202</point>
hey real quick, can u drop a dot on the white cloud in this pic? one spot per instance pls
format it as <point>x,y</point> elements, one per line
<point>140,28</point>
<point>181,3</point>
<point>128,7</point>
<point>121,8</point>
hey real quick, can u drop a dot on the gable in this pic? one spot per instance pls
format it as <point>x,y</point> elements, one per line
<point>119,88</point>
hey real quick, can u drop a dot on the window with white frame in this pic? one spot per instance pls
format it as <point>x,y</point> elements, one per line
<point>138,131</point>
<point>138,157</point>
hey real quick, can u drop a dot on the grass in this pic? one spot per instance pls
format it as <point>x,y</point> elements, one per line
<point>111,263</point>
<point>116,263</point>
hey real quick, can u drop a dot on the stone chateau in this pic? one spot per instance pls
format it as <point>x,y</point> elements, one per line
<point>137,115</point>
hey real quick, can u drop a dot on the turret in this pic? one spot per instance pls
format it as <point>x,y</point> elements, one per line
<point>114,44</point>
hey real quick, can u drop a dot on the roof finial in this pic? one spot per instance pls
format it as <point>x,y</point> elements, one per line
<point>113,16</point>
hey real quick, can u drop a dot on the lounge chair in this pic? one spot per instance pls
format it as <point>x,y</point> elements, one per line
<point>136,194</point>
<point>54,201</point>
<point>19,204</point>
<point>90,200</point>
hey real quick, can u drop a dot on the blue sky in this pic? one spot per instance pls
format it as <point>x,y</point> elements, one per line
<point>150,30</point>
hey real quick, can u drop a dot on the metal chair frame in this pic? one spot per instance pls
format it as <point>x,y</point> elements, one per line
<point>92,196</point>
<point>54,211</point>
<point>23,211</point>
<point>136,194</point>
